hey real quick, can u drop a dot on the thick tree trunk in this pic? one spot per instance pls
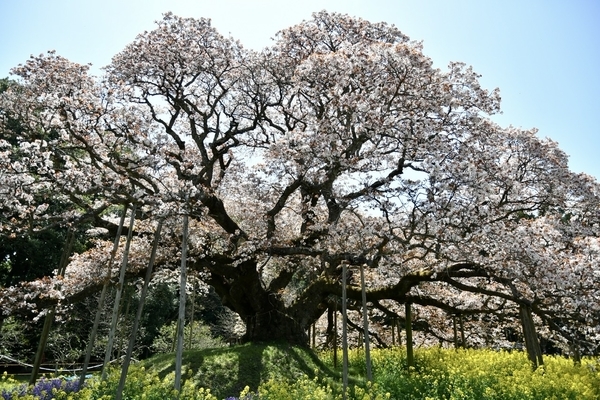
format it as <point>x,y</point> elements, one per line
<point>263,311</point>
<point>272,325</point>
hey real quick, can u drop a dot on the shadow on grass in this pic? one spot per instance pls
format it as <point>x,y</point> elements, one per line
<point>226,371</point>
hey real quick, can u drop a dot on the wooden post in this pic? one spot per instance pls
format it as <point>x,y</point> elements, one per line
<point>455,331</point>
<point>366,324</point>
<point>335,336</point>
<point>115,313</point>
<point>181,320</point>
<point>127,298</point>
<point>39,355</point>
<point>576,353</point>
<point>410,359</point>
<point>138,315</point>
<point>532,344</point>
<point>92,338</point>
<point>463,342</point>
<point>344,333</point>
<point>393,332</point>
<point>191,335</point>
<point>49,318</point>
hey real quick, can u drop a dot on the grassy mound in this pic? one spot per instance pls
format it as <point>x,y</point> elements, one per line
<point>227,370</point>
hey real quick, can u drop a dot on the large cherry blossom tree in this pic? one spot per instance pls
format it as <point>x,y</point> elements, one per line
<point>341,143</point>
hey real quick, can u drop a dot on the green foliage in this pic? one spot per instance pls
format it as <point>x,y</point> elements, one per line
<point>15,341</point>
<point>281,372</point>
<point>303,388</point>
<point>196,337</point>
<point>145,384</point>
<point>160,308</point>
<point>481,374</point>
<point>30,257</point>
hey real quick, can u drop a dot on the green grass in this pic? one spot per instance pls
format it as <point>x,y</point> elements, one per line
<point>282,372</point>
<point>438,374</point>
<point>227,370</point>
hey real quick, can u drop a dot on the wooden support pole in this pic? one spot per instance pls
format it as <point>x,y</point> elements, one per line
<point>335,335</point>
<point>455,331</point>
<point>181,320</point>
<point>115,313</point>
<point>410,358</point>
<point>138,315</point>
<point>49,318</point>
<point>366,324</point>
<point>191,335</point>
<point>463,342</point>
<point>39,355</point>
<point>127,298</point>
<point>94,332</point>
<point>532,344</point>
<point>344,333</point>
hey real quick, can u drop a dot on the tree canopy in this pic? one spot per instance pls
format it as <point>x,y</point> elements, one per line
<point>340,143</point>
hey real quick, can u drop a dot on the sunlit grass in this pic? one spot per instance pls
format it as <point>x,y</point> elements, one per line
<point>283,372</point>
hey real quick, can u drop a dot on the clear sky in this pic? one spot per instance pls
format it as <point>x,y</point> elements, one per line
<point>544,55</point>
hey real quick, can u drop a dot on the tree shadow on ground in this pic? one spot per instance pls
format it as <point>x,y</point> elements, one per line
<point>226,371</point>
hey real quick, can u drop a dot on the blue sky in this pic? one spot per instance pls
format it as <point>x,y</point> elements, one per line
<point>544,55</point>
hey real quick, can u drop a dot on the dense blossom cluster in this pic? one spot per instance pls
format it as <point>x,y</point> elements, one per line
<point>339,144</point>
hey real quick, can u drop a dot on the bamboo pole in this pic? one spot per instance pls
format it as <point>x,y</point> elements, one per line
<point>181,319</point>
<point>366,324</point>
<point>138,315</point>
<point>115,313</point>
